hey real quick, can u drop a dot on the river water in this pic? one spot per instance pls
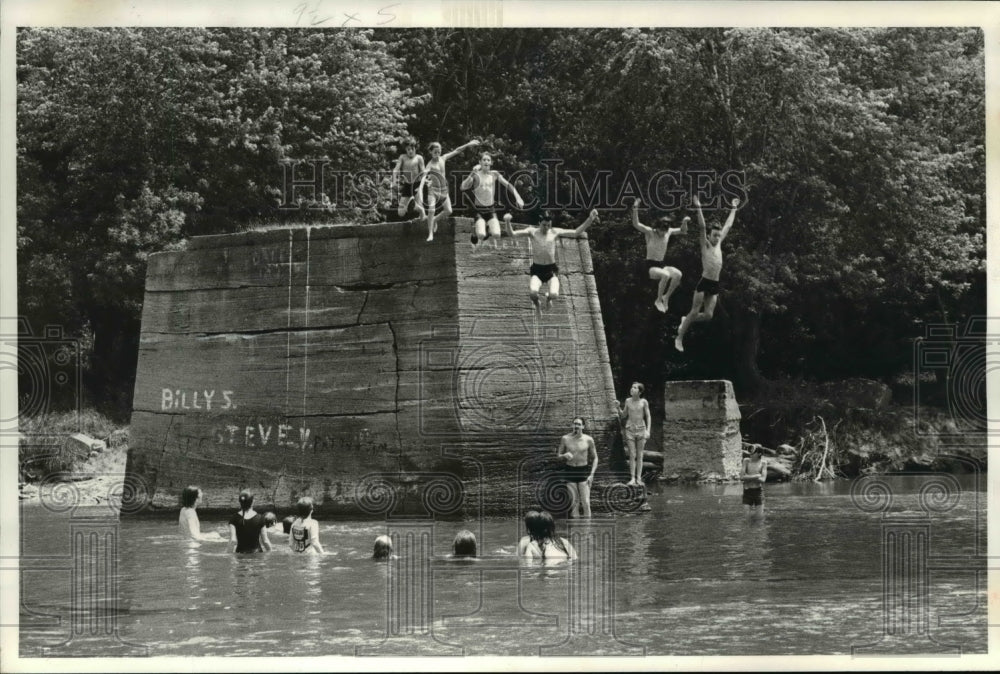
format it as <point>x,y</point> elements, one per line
<point>831,568</point>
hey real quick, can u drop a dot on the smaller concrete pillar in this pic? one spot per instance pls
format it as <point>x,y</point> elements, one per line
<point>701,430</point>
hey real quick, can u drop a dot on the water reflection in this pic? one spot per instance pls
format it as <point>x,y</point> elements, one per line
<point>694,576</point>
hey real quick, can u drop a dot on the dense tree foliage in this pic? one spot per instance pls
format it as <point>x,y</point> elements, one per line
<point>860,154</point>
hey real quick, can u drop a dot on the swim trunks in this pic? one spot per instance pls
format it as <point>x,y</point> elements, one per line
<point>753,497</point>
<point>248,532</point>
<point>635,431</point>
<point>486,213</point>
<point>407,190</point>
<point>649,264</point>
<point>707,286</point>
<point>544,272</point>
<point>577,473</point>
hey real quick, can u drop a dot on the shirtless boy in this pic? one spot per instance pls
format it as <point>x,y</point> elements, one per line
<point>543,254</point>
<point>706,293</point>
<point>434,173</point>
<point>657,237</point>
<point>579,452</point>
<point>409,167</point>
<point>483,182</point>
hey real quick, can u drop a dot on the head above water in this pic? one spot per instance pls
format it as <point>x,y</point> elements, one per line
<point>540,525</point>
<point>246,499</point>
<point>286,524</point>
<point>190,496</point>
<point>304,507</point>
<point>464,544</point>
<point>270,519</point>
<point>383,548</point>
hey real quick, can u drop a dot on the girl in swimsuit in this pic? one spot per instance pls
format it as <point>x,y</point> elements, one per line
<point>635,413</point>
<point>246,528</point>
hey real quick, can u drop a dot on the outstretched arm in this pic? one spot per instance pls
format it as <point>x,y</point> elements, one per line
<point>513,190</point>
<point>520,232</point>
<point>635,218</point>
<point>471,143</point>
<point>574,233</point>
<point>731,219</point>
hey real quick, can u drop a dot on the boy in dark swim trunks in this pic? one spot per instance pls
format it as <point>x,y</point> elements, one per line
<point>706,293</point>
<point>657,238</point>
<point>579,452</point>
<point>753,475</point>
<point>483,181</point>
<point>409,166</point>
<point>543,253</point>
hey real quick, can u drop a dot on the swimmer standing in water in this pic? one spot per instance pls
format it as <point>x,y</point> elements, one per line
<point>188,523</point>
<point>303,535</point>
<point>247,532</point>
<point>579,452</point>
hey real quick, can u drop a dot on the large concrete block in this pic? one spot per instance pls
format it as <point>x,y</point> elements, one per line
<point>701,430</point>
<point>333,361</point>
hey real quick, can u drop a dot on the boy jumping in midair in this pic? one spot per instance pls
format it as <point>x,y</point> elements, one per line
<point>483,182</point>
<point>410,166</point>
<point>657,238</point>
<point>434,173</point>
<point>706,293</point>
<point>543,254</point>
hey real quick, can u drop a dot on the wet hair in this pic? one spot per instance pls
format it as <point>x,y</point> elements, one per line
<point>304,506</point>
<point>542,529</point>
<point>464,544</point>
<point>190,495</point>
<point>246,500</point>
<point>713,227</point>
<point>431,146</point>
<point>642,389</point>
<point>383,548</point>
<point>485,154</point>
<point>582,421</point>
<point>270,519</point>
<point>286,524</point>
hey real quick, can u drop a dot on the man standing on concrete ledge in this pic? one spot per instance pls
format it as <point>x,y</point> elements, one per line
<point>579,452</point>
<point>543,253</point>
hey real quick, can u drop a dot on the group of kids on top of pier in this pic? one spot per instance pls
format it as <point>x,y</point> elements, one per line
<point>251,531</point>
<point>410,176</point>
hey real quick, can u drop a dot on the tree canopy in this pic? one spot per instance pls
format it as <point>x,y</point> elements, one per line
<point>860,154</point>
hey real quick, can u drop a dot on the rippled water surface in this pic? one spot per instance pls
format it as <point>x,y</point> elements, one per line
<point>695,576</point>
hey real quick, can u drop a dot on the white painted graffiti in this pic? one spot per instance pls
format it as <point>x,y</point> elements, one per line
<point>176,399</point>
